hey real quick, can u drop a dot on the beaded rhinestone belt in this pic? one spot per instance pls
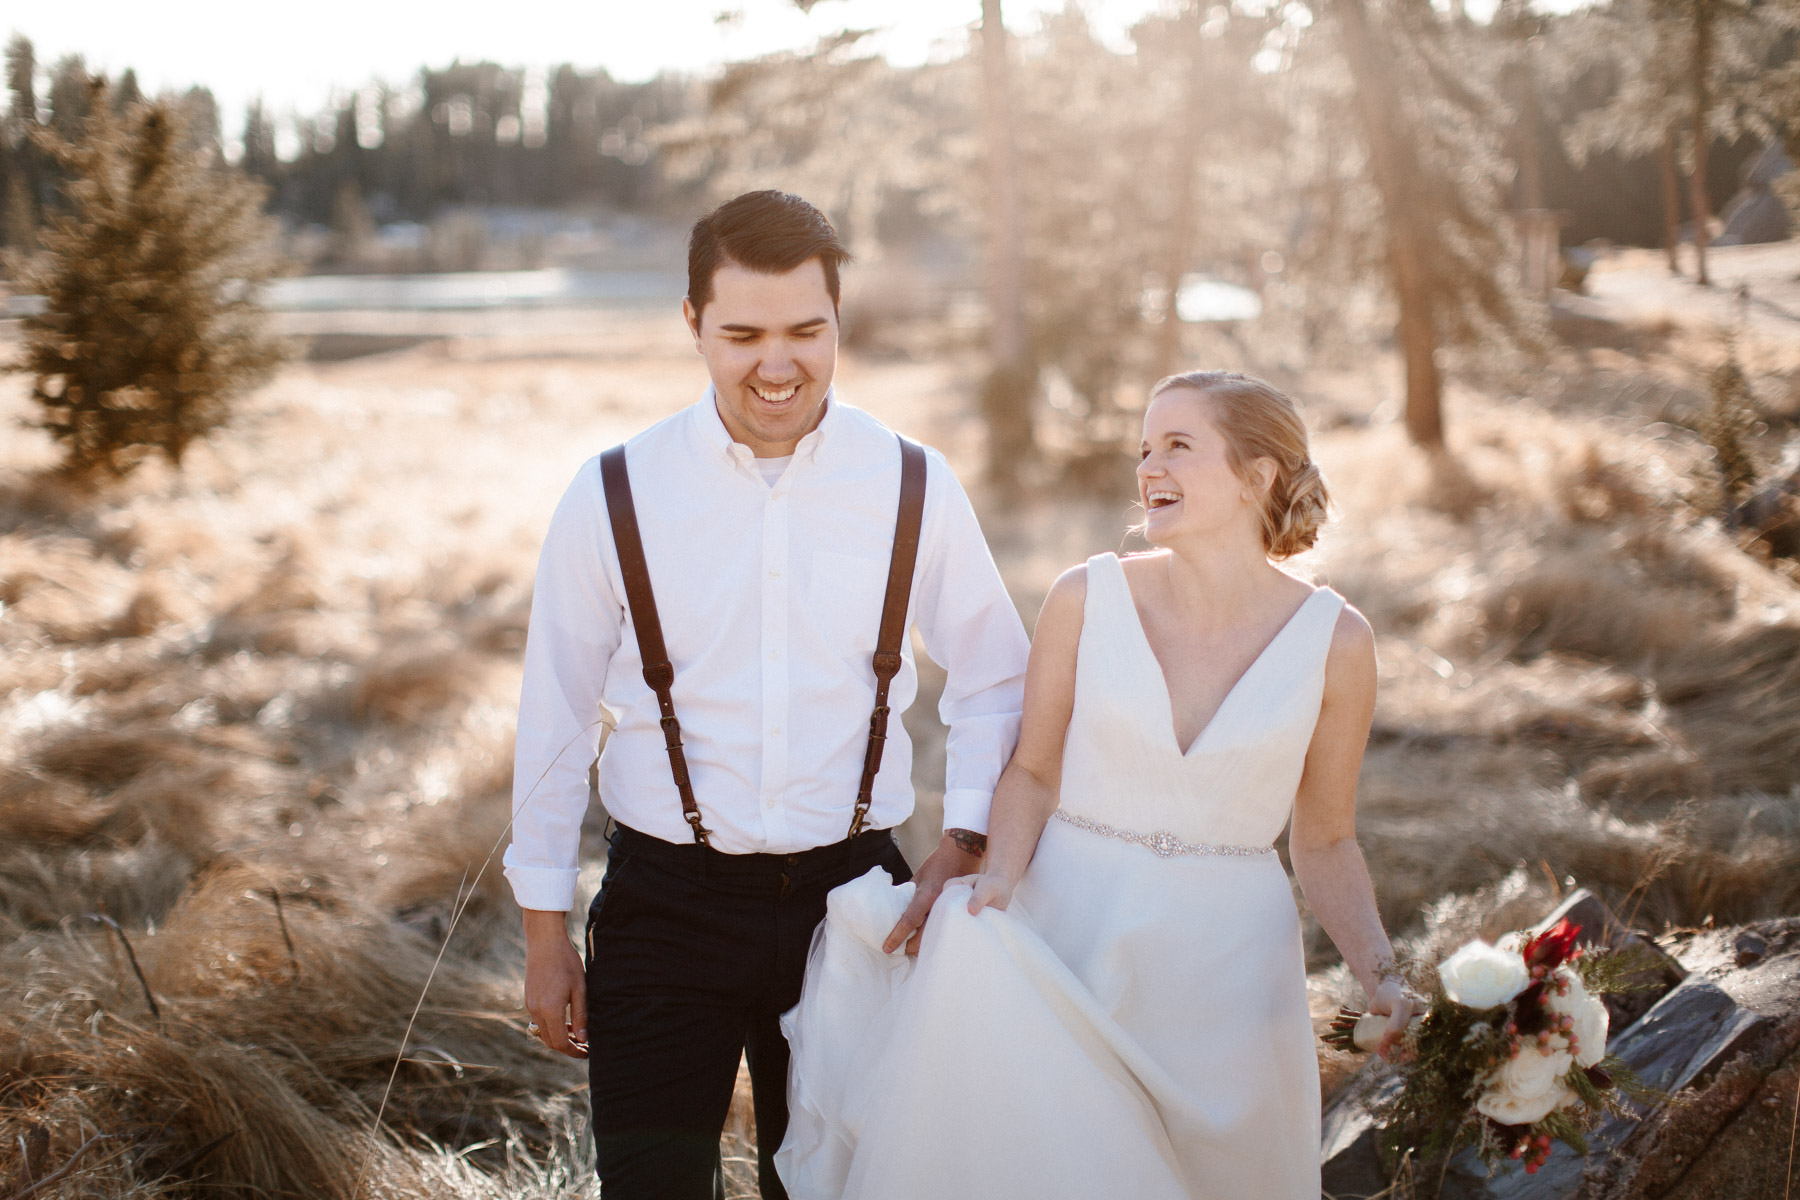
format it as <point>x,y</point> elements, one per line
<point>1163,843</point>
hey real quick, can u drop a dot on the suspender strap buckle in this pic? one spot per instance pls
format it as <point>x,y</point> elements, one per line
<point>701,832</point>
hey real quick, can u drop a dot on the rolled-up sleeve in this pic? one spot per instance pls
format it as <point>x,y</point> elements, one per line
<point>969,625</point>
<point>576,618</point>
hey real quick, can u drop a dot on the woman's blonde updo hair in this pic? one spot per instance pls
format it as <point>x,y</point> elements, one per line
<point>1257,421</point>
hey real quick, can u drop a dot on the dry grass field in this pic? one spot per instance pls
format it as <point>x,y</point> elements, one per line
<point>255,725</point>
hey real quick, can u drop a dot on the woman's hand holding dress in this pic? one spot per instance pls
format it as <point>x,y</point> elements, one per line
<point>989,890</point>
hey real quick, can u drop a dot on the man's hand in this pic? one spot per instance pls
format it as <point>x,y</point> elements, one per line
<point>959,853</point>
<point>555,984</point>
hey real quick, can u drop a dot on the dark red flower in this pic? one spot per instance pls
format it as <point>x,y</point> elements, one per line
<point>1530,1015</point>
<point>1551,948</point>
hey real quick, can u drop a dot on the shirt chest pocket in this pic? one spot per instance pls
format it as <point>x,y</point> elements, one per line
<point>843,602</point>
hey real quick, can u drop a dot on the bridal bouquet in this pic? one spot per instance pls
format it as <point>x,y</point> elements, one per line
<point>1512,1052</point>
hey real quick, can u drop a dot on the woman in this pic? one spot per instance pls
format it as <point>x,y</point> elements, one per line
<point>1117,1005</point>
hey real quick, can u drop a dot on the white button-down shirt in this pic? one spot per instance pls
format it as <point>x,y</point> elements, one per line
<point>770,597</point>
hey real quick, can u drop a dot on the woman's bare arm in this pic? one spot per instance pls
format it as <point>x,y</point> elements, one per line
<point>1322,840</point>
<point>1027,792</point>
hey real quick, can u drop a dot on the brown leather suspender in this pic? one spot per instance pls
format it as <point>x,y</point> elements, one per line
<point>893,616</point>
<point>659,673</point>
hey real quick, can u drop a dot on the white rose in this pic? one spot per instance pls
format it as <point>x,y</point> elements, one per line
<point>1483,976</point>
<point>1590,1016</point>
<point>1526,1089</point>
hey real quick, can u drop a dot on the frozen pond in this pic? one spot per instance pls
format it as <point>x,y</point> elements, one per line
<point>476,289</point>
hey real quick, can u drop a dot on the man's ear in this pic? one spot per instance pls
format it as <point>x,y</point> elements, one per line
<point>692,317</point>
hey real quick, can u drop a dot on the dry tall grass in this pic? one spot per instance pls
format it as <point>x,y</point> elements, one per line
<point>260,717</point>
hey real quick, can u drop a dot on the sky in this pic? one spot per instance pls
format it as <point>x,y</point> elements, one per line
<point>293,56</point>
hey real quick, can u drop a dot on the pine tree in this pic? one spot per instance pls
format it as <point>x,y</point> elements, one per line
<point>1638,54</point>
<point>260,160</point>
<point>1727,428</point>
<point>151,277</point>
<point>19,170</point>
<point>1687,72</point>
<point>1434,161</point>
<point>1006,393</point>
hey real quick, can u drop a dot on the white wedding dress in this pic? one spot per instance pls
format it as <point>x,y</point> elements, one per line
<point>1135,1024</point>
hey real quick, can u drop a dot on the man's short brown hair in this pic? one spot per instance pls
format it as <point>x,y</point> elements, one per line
<point>770,232</point>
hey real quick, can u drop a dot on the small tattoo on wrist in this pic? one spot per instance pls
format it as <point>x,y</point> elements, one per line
<point>967,841</point>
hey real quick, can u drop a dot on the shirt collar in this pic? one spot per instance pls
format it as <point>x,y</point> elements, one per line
<point>713,434</point>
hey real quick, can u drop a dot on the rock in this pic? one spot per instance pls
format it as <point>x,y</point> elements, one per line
<point>1351,1168</point>
<point>1675,1139</point>
<point>1716,1037</point>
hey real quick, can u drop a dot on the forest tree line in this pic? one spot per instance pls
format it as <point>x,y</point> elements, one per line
<point>1302,150</point>
<point>482,133</point>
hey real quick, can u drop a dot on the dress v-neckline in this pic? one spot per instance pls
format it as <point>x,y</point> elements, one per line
<point>1162,677</point>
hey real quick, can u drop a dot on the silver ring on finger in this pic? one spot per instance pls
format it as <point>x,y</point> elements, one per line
<point>534,1030</point>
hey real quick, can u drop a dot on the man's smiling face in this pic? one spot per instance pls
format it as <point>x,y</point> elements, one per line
<point>770,344</point>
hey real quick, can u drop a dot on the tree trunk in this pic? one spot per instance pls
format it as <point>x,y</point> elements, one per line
<point>1180,245</point>
<point>1702,68</point>
<point>1671,199</point>
<point>1396,173</point>
<point>1531,171</point>
<point>1006,399</point>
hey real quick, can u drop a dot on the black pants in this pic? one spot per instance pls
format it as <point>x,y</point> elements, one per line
<point>693,956</point>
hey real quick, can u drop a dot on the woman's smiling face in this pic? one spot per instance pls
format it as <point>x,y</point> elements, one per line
<point>1185,479</point>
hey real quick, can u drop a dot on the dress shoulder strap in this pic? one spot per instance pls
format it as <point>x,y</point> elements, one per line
<point>1106,581</point>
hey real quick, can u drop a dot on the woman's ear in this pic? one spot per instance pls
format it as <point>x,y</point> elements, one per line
<point>1261,478</point>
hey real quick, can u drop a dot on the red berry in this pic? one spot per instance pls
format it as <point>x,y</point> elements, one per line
<point>1518,1151</point>
<point>1531,1168</point>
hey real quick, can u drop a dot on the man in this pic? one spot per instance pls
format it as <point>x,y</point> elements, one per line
<point>767,514</point>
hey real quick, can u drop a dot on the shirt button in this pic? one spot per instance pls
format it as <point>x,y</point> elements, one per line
<point>774,655</point>
<point>775,731</point>
<point>774,574</point>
